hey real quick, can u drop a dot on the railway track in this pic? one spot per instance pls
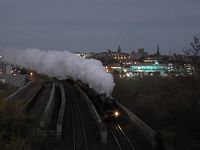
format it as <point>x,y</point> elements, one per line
<point>37,105</point>
<point>79,129</point>
<point>56,108</point>
<point>29,96</point>
<point>65,115</point>
<point>24,94</point>
<point>126,136</point>
<point>121,139</point>
<point>75,132</point>
<point>79,132</point>
<point>49,120</point>
<point>138,140</point>
<point>30,100</point>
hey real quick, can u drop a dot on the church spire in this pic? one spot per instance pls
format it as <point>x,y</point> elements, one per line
<point>119,49</point>
<point>158,50</point>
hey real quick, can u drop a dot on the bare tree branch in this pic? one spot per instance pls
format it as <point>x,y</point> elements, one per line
<point>194,51</point>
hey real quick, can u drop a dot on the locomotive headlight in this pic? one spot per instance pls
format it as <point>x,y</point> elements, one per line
<point>116,113</point>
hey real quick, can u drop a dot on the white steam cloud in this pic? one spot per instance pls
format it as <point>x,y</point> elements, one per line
<point>62,64</point>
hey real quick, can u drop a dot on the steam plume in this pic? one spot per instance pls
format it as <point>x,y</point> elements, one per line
<point>62,64</point>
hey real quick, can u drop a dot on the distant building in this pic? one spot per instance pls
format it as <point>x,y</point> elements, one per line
<point>2,68</point>
<point>84,55</point>
<point>140,54</point>
<point>5,68</point>
<point>110,57</point>
<point>153,59</point>
<point>141,50</point>
<point>149,69</point>
<point>8,74</point>
<point>107,54</point>
<point>15,80</point>
<point>110,68</point>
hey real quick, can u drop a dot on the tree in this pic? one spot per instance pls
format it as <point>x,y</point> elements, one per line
<point>194,52</point>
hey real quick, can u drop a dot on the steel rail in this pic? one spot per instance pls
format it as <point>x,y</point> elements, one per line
<point>141,126</point>
<point>83,126</point>
<point>73,125</point>
<point>18,91</point>
<point>116,140</point>
<point>121,134</point>
<point>126,137</point>
<point>75,106</point>
<point>31,99</point>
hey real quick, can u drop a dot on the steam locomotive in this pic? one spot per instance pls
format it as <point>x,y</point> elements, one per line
<point>106,107</point>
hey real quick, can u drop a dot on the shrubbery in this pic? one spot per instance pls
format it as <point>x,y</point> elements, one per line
<point>15,127</point>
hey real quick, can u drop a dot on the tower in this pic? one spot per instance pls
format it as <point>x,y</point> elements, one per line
<point>119,49</point>
<point>158,50</point>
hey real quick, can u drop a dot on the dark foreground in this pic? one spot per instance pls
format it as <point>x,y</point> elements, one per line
<point>170,106</point>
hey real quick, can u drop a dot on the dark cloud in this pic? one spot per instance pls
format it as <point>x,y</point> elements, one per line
<point>99,24</point>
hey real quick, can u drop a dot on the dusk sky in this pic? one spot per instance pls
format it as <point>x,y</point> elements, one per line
<point>88,25</point>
